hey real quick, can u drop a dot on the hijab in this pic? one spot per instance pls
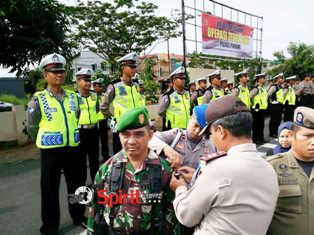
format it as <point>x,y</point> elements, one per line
<point>279,148</point>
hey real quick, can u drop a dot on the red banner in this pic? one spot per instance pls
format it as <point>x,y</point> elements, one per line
<point>226,38</point>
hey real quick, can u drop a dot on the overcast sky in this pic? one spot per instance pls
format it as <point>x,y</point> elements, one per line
<point>284,21</point>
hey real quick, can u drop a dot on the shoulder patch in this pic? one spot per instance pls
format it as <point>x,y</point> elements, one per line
<point>212,156</point>
<point>277,156</point>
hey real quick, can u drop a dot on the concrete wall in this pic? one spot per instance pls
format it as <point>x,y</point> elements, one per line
<point>12,124</point>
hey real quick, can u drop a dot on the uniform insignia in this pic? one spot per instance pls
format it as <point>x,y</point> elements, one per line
<point>176,99</point>
<point>299,118</point>
<point>93,97</point>
<point>283,168</point>
<point>55,58</point>
<point>122,90</point>
<point>212,156</point>
<point>30,110</point>
<point>141,118</point>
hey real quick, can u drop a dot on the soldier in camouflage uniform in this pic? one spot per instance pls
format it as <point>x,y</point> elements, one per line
<point>139,166</point>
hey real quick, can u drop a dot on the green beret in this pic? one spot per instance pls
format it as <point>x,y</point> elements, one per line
<point>133,119</point>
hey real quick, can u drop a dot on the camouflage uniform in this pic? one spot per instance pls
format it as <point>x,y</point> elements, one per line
<point>132,217</point>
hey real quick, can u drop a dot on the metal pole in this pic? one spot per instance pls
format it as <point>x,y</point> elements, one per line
<point>183,33</point>
<point>169,62</point>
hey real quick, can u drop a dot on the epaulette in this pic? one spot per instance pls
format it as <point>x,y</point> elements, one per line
<point>277,156</point>
<point>212,156</point>
<point>115,81</point>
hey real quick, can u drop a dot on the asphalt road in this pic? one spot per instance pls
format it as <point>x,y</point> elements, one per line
<point>20,198</point>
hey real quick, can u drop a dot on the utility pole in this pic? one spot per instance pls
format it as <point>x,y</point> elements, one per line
<point>183,33</point>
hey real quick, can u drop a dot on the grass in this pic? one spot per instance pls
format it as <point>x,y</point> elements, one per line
<point>12,99</point>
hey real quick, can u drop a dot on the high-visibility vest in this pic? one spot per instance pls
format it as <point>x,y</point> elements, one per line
<point>143,99</point>
<point>290,96</point>
<point>217,93</point>
<point>126,97</point>
<point>278,95</point>
<point>260,98</point>
<point>200,96</point>
<point>100,115</point>
<point>88,108</point>
<point>244,95</point>
<point>58,123</point>
<point>178,112</point>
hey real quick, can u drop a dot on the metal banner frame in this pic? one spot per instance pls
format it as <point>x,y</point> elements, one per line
<point>192,28</point>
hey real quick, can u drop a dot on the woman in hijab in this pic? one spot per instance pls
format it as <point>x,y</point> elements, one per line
<point>284,139</point>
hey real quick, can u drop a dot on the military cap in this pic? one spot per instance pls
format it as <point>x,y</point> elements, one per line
<point>179,72</point>
<point>243,72</point>
<point>291,77</point>
<point>279,75</point>
<point>199,112</point>
<point>215,74</point>
<point>98,81</point>
<point>224,79</point>
<point>222,107</point>
<point>133,119</point>
<point>129,59</point>
<point>85,74</point>
<point>53,62</point>
<point>304,116</point>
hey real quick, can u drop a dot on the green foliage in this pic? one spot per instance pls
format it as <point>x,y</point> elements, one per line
<point>12,99</point>
<point>107,78</point>
<point>113,29</point>
<point>300,62</point>
<point>150,85</point>
<point>32,29</point>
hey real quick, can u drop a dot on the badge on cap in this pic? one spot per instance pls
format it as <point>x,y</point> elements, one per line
<point>299,118</point>
<point>141,118</point>
<point>55,58</point>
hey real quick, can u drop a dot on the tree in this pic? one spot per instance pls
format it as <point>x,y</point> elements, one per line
<point>115,29</point>
<point>32,29</point>
<point>300,62</point>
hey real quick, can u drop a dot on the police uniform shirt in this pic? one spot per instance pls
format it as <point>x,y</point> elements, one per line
<point>209,95</point>
<point>294,213</point>
<point>254,92</point>
<point>306,87</point>
<point>234,194</point>
<point>194,97</point>
<point>34,113</point>
<point>190,154</point>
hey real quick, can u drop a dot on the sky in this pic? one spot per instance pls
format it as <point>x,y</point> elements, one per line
<point>283,21</point>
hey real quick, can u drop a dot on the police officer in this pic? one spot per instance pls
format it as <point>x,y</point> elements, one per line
<point>214,91</point>
<point>122,94</point>
<point>192,87</point>
<point>306,90</point>
<point>141,91</point>
<point>138,171</point>
<point>226,197</point>
<point>224,86</point>
<point>289,99</point>
<point>185,145</point>
<point>52,121</point>
<point>295,204</point>
<point>197,96</point>
<point>174,105</point>
<point>89,106</point>
<point>258,95</point>
<point>275,94</point>
<point>241,91</point>
<point>102,121</point>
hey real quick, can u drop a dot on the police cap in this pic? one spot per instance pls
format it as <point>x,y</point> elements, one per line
<point>52,62</point>
<point>178,73</point>
<point>85,74</point>
<point>304,116</point>
<point>130,59</point>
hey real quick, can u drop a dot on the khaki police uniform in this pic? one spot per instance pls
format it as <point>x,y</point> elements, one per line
<point>189,151</point>
<point>294,213</point>
<point>306,90</point>
<point>52,120</point>
<point>222,198</point>
<point>241,91</point>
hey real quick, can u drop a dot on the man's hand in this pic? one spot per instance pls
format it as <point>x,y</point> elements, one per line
<point>187,173</point>
<point>175,183</point>
<point>173,157</point>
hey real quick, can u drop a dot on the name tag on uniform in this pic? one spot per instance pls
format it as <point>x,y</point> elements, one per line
<point>50,110</point>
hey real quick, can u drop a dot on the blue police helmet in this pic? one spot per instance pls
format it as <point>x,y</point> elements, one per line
<point>199,112</point>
